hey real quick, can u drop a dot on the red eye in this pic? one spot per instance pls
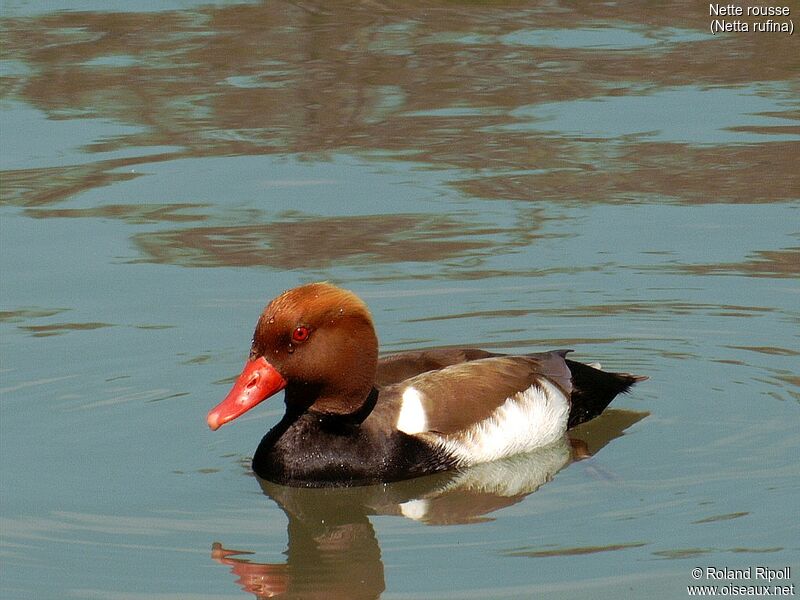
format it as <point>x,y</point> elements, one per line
<point>300,334</point>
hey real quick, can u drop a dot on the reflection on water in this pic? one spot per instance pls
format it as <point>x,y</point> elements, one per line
<point>764,263</point>
<point>511,175</point>
<point>573,551</point>
<point>664,172</point>
<point>662,116</point>
<point>333,551</point>
<point>251,79</point>
<point>130,213</point>
<point>58,328</point>
<point>317,242</point>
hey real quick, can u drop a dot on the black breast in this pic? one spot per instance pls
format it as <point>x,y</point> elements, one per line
<point>315,450</point>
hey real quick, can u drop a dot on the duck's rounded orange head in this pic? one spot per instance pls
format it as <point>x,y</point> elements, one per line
<point>318,342</point>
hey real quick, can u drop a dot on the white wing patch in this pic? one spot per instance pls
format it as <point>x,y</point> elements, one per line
<point>527,420</point>
<point>412,418</point>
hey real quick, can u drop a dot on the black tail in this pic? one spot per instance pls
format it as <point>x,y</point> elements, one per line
<point>593,390</point>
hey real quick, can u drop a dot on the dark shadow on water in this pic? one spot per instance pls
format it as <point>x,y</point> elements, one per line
<point>333,550</point>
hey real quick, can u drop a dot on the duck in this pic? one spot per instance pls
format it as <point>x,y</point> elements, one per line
<point>353,417</point>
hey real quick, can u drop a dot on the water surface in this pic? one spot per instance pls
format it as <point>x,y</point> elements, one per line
<point>518,176</point>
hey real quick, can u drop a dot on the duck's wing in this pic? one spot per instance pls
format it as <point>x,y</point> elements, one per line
<point>460,396</point>
<point>398,367</point>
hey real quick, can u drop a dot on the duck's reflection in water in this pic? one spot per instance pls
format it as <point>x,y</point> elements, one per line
<point>333,552</point>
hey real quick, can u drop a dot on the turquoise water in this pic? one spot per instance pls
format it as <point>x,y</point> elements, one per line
<point>512,177</point>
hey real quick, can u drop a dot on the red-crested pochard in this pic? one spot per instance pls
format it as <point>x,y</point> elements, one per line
<point>353,418</point>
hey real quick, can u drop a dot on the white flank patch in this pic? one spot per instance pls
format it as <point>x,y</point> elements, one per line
<point>415,509</point>
<point>527,420</point>
<point>412,418</point>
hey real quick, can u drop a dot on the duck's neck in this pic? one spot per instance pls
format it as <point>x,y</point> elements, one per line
<point>352,407</point>
<point>354,417</point>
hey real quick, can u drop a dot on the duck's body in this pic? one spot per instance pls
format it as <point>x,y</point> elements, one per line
<point>353,419</point>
